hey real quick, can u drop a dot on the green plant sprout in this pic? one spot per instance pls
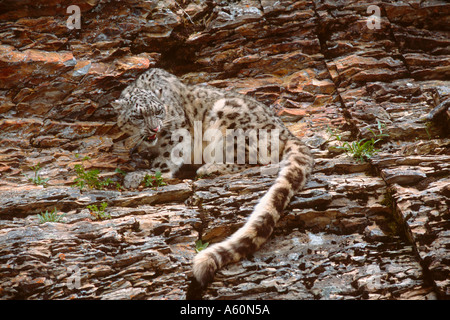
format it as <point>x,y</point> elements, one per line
<point>52,216</point>
<point>363,149</point>
<point>119,171</point>
<point>37,180</point>
<point>99,213</point>
<point>200,245</point>
<point>154,181</point>
<point>89,178</point>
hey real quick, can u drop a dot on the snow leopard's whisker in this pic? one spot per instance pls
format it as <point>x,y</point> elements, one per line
<point>168,120</point>
<point>139,140</point>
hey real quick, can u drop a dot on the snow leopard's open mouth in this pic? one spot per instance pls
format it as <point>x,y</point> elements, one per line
<point>151,138</point>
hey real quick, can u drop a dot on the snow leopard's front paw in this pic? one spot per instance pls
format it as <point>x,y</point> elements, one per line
<point>211,169</point>
<point>214,169</point>
<point>203,171</point>
<point>133,179</point>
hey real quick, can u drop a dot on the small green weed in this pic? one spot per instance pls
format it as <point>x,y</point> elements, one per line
<point>37,180</point>
<point>154,181</point>
<point>204,176</point>
<point>363,149</point>
<point>388,200</point>
<point>99,213</point>
<point>429,126</point>
<point>118,186</point>
<point>200,245</point>
<point>89,178</point>
<point>120,171</point>
<point>52,216</point>
<point>395,222</point>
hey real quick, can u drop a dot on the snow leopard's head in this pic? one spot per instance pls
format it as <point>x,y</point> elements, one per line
<point>140,114</point>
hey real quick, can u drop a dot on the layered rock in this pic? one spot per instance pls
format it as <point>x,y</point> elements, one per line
<point>372,230</point>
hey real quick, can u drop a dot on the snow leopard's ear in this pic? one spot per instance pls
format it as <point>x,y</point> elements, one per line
<point>117,104</point>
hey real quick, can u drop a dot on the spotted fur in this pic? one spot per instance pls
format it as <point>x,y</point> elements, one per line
<point>157,90</point>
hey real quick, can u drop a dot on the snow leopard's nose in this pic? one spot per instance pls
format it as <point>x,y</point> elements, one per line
<point>155,130</point>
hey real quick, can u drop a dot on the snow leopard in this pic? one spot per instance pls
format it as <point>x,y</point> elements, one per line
<point>158,104</point>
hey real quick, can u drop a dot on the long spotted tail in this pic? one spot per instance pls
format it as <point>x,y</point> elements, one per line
<point>296,166</point>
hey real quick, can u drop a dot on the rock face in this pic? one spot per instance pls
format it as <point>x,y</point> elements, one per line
<point>377,229</point>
